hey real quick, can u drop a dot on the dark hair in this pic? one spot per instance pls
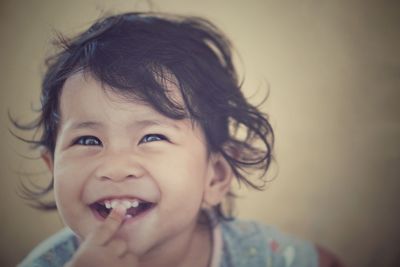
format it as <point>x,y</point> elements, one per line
<point>133,53</point>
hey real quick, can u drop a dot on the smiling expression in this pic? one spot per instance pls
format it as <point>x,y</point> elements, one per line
<point>109,148</point>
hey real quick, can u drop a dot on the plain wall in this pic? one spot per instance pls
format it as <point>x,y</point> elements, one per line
<point>333,71</point>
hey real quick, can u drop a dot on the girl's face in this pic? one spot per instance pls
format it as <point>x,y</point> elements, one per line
<point>111,149</point>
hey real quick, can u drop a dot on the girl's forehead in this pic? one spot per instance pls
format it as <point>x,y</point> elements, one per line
<point>82,93</point>
<point>76,84</point>
<point>83,98</point>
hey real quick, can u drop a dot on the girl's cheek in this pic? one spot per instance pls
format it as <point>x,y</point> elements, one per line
<point>75,158</point>
<point>80,153</point>
<point>67,175</point>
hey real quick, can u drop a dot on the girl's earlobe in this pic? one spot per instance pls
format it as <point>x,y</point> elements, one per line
<point>47,158</point>
<point>219,182</point>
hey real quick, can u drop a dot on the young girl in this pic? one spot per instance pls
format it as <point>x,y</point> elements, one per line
<point>140,124</point>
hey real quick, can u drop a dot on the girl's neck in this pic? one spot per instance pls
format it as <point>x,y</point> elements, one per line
<point>193,251</point>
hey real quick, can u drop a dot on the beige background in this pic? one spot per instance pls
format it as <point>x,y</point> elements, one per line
<point>333,68</point>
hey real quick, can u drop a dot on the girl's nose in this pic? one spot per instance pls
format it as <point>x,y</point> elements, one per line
<point>118,167</point>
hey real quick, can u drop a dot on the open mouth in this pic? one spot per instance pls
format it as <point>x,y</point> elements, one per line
<point>133,207</point>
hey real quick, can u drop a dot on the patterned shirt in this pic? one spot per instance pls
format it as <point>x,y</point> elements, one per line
<point>236,243</point>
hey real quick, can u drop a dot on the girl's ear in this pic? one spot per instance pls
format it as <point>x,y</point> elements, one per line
<point>218,181</point>
<point>47,158</point>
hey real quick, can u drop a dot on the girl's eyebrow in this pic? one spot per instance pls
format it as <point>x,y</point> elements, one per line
<point>163,123</point>
<point>85,125</point>
<point>135,124</point>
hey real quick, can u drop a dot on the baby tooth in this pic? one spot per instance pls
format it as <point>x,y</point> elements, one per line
<point>134,204</point>
<point>126,203</point>
<point>114,203</point>
<point>108,204</point>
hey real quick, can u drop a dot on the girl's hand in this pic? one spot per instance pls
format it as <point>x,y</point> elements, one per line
<point>101,250</point>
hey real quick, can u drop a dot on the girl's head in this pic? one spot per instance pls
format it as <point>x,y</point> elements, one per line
<point>180,67</point>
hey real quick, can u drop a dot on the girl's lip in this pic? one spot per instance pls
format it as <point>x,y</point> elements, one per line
<point>127,219</point>
<point>121,197</point>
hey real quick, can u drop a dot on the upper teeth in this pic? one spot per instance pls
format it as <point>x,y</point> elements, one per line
<point>127,203</point>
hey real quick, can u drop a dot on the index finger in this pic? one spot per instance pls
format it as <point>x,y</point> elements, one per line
<point>102,234</point>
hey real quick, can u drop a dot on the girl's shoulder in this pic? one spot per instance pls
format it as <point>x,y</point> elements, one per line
<point>248,243</point>
<point>54,251</point>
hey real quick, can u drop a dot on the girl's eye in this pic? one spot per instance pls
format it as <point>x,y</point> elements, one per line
<point>152,138</point>
<point>87,141</point>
